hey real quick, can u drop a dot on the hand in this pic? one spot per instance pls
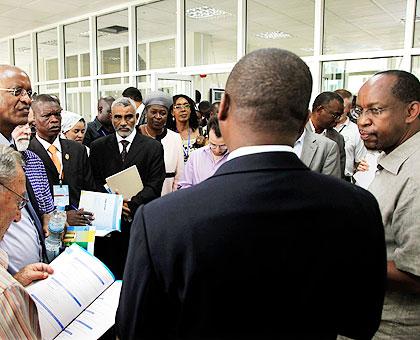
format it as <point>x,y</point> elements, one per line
<point>45,220</point>
<point>125,209</point>
<point>79,217</point>
<point>200,140</point>
<point>362,166</point>
<point>33,272</point>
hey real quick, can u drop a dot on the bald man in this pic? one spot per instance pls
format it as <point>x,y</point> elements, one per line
<point>271,254</point>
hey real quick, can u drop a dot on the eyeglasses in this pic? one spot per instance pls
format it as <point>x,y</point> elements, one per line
<point>183,106</point>
<point>358,112</point>
<point>336,115</point>
<point>19,92</point>
<point>23,200</point>
<point>222,147</point>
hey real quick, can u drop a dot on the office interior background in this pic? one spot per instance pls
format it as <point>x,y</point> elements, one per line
<point>81,50</point>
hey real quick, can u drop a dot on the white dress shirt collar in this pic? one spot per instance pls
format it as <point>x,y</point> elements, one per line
<point>249,150</point>
<point>129,139</point>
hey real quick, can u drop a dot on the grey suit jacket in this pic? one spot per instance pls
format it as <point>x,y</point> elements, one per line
<point>321,154</point>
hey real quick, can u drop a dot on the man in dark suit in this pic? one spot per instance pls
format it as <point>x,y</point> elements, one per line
<point>277,252</point>
<point>66,162</point>
<point>115,153</point>
<point>327,109</point>
<point>101,125</point>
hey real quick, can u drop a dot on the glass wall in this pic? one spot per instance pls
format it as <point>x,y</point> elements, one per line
<point>208,83</point>
<point>360,25</point>
<point>76,49</point>
<point>47,48</point>
<point>78,98</point>
<point>156,35</point>
<point>23,53</point>
<point>210,36</point>
<point>282,24</point>
<point>370,34</point>
<point>351,74</point>
<point>112,35</point>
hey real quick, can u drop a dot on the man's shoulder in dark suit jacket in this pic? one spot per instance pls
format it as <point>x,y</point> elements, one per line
<point>275,250</point>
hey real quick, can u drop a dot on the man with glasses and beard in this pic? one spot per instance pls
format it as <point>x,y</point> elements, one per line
<point>204,162</point>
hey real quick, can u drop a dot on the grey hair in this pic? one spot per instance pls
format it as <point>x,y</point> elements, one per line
<point>10,160</point>
<point>123,101</point>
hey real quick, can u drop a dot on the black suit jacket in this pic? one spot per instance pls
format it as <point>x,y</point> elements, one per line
<point>275,252</point>
<point>147,154</point>
<point>77,173</point>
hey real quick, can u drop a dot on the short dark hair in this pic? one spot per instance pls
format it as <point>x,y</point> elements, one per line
<point>213,124</point>
<point>133,93</point>
<point>344,93</point>
<point>407,86</point>
<point>44,98</point>
<point>204,106</point>
<point>324,98</point>
<point>273,85</point>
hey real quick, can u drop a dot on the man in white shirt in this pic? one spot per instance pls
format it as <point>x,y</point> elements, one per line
<point>135,95</point>
<point>354,146</point>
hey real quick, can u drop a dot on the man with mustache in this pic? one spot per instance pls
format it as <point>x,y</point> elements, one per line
<point>66,161</point>
<point>388,112</point>
<point>114,153</point>
<point>35,172</point>
<point>24,240</point>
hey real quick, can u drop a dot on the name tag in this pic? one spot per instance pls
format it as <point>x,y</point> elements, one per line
<point>61,195</point>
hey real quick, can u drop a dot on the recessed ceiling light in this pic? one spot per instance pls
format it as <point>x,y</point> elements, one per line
<point>273,35</point>
<point>203,12</point>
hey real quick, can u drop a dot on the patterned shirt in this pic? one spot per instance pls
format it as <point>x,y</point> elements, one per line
<point>19,315</point>
<point>37,176</point>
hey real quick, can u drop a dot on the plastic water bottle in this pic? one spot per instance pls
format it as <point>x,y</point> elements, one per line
<point>55,228</point>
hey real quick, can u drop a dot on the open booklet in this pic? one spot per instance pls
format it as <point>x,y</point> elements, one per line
<point>79,300</point>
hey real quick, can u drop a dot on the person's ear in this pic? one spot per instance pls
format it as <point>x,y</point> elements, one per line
<point>224,107</point>
<point>100,109</point>
<point>413,112</point>
<point>137,116</point>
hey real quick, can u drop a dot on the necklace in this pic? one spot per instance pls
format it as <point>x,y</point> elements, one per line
<point>147,131</point>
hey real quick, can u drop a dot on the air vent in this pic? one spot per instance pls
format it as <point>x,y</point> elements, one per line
<point>116,29</point>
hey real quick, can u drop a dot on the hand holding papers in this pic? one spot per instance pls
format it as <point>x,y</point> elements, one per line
<point>127,182</point>
<point>79,300</point>
<point>106,209</point>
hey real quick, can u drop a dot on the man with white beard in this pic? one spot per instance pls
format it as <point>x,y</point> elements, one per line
<point>35,172</point>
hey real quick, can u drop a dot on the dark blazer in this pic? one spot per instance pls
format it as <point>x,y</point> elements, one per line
<point>276,252</point>
<point>94,131</point>
<point>77,173</point>
<point>147,154</point>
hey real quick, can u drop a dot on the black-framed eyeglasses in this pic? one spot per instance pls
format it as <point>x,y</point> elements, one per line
<point>23,200</point>
<point>19,92</point>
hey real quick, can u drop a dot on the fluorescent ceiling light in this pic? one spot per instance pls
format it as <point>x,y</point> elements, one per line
<point>203,12</point>
<point>273,35</point>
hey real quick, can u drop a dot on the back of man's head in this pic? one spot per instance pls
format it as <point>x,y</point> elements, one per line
<point>270,89</point>
<point>344,93</point>
<point>133,93</point>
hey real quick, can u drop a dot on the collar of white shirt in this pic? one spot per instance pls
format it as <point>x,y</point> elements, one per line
<point>313,128</point>
<point>129,138</point>
<point>249,150</point>
<point>46,144</point>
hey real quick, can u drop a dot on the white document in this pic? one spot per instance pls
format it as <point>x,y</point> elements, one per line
<point>127,182</point>
<point>78,281</point>
<point>106,208</point>
<point>364,178</point>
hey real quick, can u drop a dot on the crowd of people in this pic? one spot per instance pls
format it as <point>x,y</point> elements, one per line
<point>253,221</point>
